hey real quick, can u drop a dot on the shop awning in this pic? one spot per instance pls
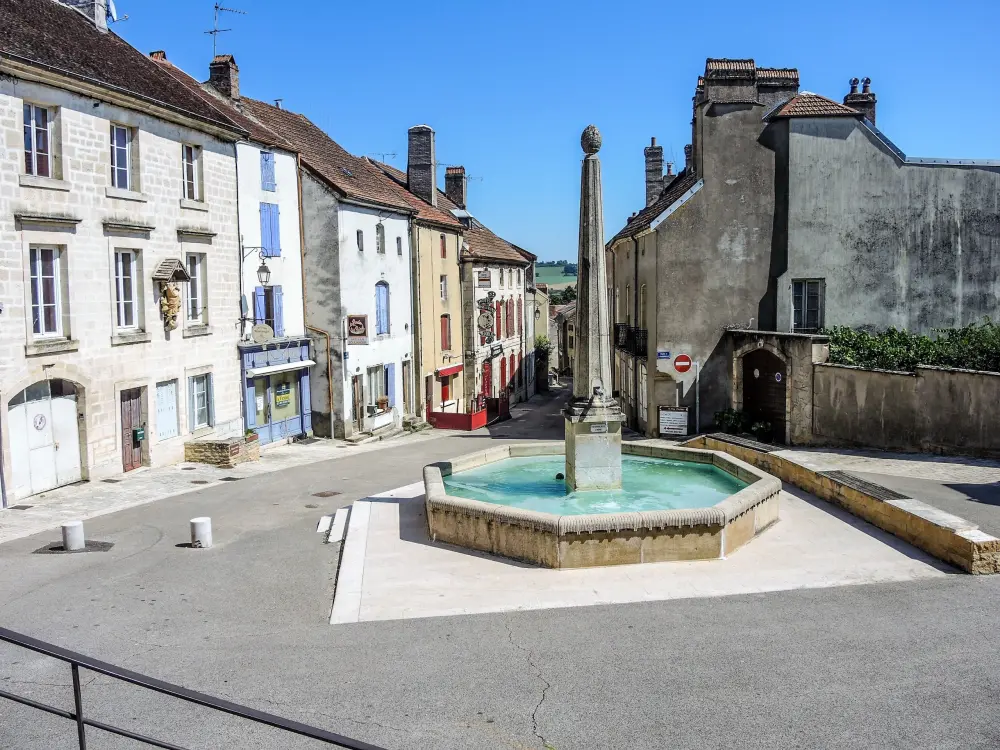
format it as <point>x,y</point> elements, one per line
<point>446,371</point>
<point>271,369</point>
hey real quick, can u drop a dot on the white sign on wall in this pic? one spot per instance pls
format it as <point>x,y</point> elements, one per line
<point>673,421</point>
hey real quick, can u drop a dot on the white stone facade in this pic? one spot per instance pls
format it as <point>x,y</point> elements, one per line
<point>85,220</point>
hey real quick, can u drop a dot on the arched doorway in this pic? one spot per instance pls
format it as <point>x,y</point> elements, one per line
<point>764,383</point>
<point>44,437</point>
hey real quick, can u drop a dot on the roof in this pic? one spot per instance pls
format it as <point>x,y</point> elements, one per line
<point>60,38</point>
<point>425,211</point>
<point>231,109</point>
<point>725,68</point>
<point>349,175</point>
<point>565,310</point>
<point>482,244</point>
<point>641,221</point>
<point>528,255</point>
<point>808,104</point>
<point>778,76</point>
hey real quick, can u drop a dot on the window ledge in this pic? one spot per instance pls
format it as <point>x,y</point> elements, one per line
<point>131,337</point>
<point>50,346</point>
<point>46,183</point>
<point>196,330</point>
<point>202,431</point>
<point>194,205</point>
<point>125,195</point>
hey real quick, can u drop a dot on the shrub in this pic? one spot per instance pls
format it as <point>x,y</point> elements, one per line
<point>731,421</point>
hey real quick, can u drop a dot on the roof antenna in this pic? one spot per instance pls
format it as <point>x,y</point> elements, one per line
<point>383,154</point>
<point>215,26</point>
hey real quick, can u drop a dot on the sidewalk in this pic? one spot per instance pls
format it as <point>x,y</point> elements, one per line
<point>83,500</point>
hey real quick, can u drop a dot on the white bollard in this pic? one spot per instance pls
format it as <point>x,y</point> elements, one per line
<point>72,534</point>
<point>201,532</point>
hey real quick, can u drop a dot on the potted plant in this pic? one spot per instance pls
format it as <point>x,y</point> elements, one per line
<point>383,403</point>
<point>250,435</point>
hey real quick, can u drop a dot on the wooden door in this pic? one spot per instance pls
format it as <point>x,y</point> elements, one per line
<point>407,408</point>
<point>764,384</point>
<point>131,423</point>
<point>487,385</point>
<point>358,399</point>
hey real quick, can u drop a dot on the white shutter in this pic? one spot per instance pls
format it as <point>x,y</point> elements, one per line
<point>166,410</point>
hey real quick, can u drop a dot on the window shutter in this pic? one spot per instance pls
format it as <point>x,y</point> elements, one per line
<point>191,418</point>
<point>391,370</point>
<point>444,333</point>
<point>279,314</point>
<point>266,170</point>
<point>269,230</point>
<point>275,230</point>
<point>499,322</point>
<point>210,399</point>
<point>250,405</point>
<point>258,305</point>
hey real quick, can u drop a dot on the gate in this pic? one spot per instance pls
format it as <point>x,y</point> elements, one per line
<point>132,429</point>
<point>764,383</point>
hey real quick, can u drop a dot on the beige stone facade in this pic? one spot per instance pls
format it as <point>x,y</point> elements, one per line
<point>85,223</point>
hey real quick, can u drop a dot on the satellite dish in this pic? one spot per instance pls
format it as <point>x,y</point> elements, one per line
<point>243,306</point>
<point>261,333</point>
<point>112,11</point>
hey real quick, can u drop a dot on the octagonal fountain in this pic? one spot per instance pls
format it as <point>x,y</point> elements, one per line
<point>592,501</point>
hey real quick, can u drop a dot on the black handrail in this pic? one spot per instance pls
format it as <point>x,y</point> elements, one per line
<point>110,670</point>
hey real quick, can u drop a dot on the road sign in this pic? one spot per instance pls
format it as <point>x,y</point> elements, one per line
<point>682,363</point>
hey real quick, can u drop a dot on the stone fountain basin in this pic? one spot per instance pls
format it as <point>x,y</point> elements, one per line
<point>583,541</point>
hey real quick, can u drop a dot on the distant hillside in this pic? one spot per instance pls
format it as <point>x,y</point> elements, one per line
<point>552,273</point>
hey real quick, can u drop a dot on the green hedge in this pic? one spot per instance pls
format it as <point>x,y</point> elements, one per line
<point>974,347</point>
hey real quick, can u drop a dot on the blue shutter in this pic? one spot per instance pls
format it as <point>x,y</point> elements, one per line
<point>250,405</point>
<point>391,370</point>
<point>269,231</point>
<point>266,170</point>
<point>381,308</point>
<point>279,314</point>
<point>259,311</point>
<point>275,233</point>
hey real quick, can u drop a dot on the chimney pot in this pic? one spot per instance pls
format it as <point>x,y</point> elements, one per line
<point>456,185</point>
<point>854,85</point>
<point>224,75</point>
<point>654,171</point>
<point>158,55</point>
<point>670,169</point>
<point>421,163</point>
<point>866,86</point>
<point>863,101</point>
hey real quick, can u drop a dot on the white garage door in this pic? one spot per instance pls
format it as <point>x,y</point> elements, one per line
<point>44,437</point>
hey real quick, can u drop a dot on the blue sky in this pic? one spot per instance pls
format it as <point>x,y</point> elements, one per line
<point>509,86</point>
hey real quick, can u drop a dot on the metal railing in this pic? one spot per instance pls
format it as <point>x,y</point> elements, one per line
<point>631,339</point>
<point>76,661</point>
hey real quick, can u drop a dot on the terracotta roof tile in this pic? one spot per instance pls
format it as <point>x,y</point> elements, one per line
<point>53,35</point>
<point>808,104</point>
<point>351,176</point>
<point>425,210</point>
<point>484,245</point>
<point>681,184</point>
<point>775,76</point>
<point>726,68</point>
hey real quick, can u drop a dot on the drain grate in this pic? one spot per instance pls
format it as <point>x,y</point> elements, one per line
<point>230,479</point>
<point>56,548</point>
<point>20,507</point>
<point>326,493</point>
<point>111,481</point>
<point>199,481</point>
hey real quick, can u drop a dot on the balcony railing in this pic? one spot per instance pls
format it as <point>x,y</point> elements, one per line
<point>631,340</point>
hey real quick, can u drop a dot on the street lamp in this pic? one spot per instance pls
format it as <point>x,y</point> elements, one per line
<point>264,274</point>
<point>538,314</point>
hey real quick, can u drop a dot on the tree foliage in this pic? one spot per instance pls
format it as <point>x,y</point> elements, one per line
<point>563,296</point>
<point>973,347</point>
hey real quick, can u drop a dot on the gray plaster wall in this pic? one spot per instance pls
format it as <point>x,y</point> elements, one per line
<point>932,410</point>
<point>714,255</point>
<point>323,307</point>
<point>905,245</point>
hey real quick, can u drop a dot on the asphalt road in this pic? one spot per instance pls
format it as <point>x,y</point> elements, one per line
<point>908,665</point>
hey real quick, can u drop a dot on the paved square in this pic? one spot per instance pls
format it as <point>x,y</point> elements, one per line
<point>392,570</point>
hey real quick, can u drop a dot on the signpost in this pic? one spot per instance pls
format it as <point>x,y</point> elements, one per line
<point>682,363</point>
<point>357,329</point>
<point>673,421</point>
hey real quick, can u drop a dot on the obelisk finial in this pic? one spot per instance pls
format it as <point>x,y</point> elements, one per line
<point>590,140</point>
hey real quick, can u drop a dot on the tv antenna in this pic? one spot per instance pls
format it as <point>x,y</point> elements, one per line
<point>384,154</point>
<point>112,13</point>
<point>215,26</point>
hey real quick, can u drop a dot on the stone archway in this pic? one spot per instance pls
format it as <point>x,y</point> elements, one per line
<point>761,373</point>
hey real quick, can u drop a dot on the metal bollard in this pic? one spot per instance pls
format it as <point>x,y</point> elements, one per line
<point>72,534</point>
<point>201,532</point>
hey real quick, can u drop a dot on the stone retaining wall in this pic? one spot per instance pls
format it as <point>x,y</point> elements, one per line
<point>225,453</point>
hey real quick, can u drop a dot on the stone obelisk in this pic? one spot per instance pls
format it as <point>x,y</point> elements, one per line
<point>593,417</point>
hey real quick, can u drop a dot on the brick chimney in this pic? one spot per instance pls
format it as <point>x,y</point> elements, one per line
<point>654,171</point>
<point>224,75</point>
<point>864,101</point>
<point>95,10</point>
<point>158,55</point>
<point>456,185</point>
<point>421,167</point>
<point>688,162</point>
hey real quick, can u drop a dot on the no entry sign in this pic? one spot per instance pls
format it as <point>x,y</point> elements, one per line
<point>682,363</point>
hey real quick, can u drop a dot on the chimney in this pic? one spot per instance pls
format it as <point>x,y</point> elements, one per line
<point>224,75</point>
<point>688,152</point>
<point>654,171</point>
<point>670,171</point>
<point>864,101</point>
<point>455,185</point>
<point>421,167</point>
<point>95,10</point>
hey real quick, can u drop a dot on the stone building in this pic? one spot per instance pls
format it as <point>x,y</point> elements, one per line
<point>114,177</point>
<point>273,348</point>
<point>356,259</point>
<point>793,212</point>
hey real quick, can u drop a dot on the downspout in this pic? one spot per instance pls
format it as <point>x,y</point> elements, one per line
<point>635,317</point>
<point>302,267</point>
<point>418,349</point>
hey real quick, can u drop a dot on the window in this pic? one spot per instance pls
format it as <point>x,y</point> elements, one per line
<point>126,290</point>
<point>361,241</point>
<point>267,171</point>
<point>501,278</point>
<point>510,277</point>
<point>200,401</point>
<point>379,238</point>
<point>377,384</point>
<point>569,337</point>
<point>268,308</point>
<point>444,247</point>
<point>807,305</point>
<point>196,304</point>
<point>399,246</point>
<point>628,304</point>
<point>443,283</point>
<point>46,312</point>
<point>270,230</point>
<point>37,141</point>
<point>519,277</point>
<point>520,317</point>
<point>641,322</point>
<point>445,389</point>
<point>121,157</point>
<point>381,309</point>
<point>642,390</point>
<point>509,323</point>
<point>191,158</point>
<point>445,333</point>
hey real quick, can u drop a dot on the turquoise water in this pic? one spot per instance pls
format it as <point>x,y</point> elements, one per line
<point>647,484</point>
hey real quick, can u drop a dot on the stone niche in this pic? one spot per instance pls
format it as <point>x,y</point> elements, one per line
<point>223,452</point>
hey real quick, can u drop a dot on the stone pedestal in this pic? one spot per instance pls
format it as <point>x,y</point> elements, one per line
<point>594,452</point>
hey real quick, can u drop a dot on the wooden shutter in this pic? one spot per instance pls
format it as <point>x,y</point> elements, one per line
<point>279,315</point>
<point>269,230</point>
<point>266,170</point>
<point>166,410</point>
<point>259,308</point>
<point>499,319</point>
<point>445,343</point>
<point>390,370</point>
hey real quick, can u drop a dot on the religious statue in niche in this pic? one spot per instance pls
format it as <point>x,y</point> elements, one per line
<point>170,304</point>
<point>487,317</point>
